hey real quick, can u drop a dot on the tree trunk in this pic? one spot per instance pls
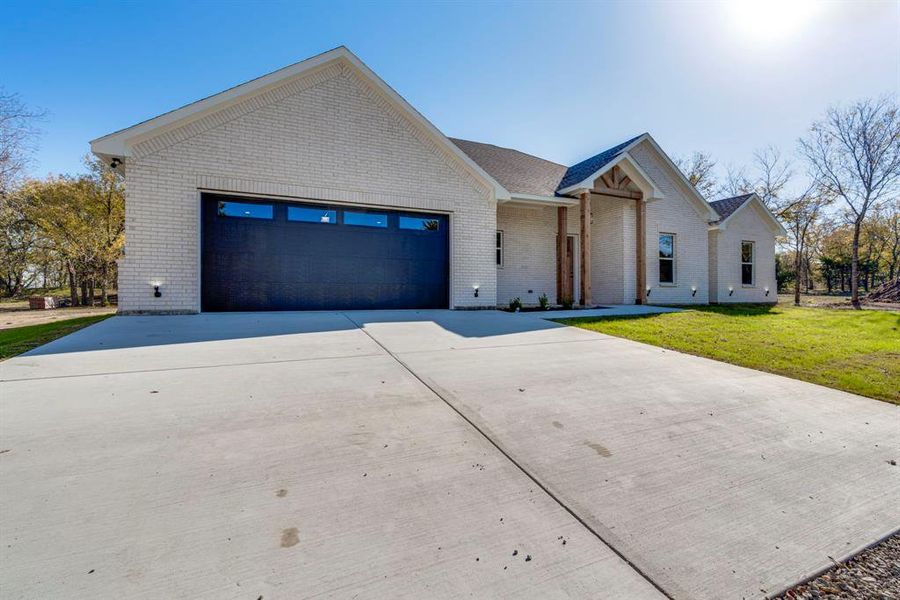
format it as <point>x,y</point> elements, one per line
<point>91,291</point>
<point>84,296</point>
<point>854,266</point>
<point>797,263</point>
<point>73,287</point>
<point>104,281</point>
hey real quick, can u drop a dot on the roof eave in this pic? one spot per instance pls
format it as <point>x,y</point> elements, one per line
<point>538,200</point>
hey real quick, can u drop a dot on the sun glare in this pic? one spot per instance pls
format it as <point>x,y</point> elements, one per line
<point>765,20</point>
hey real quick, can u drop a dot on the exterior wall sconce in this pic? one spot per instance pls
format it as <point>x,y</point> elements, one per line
<point>767,291</point>
<point>475,287</point>
<point>156,292</point>
<point>693,291</point>
<point>730,291</point>
<point>648,291</point>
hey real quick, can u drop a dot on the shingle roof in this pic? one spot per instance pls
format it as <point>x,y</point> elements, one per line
<point>586,168</point>
<point>516,171</point>
<point>526,174</point>
<point>726,206</point>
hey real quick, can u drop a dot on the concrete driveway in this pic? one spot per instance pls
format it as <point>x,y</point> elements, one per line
<point>422,454</point>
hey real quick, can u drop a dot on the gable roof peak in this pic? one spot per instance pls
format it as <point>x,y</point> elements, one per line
<point>586,168</point>
<point>725,207</point>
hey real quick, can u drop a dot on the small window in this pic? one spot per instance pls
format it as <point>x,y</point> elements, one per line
<point>365,219</point>
<point>747,256</point>
<point>667,258</point>
<point>245,210</point>
<point>419,223</point>
<point>499,248</point>
<point>310,214</point>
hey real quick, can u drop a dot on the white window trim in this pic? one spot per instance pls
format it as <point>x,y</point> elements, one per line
<point>500,247</point>
<point>752,264</point>
<point>674,282</point>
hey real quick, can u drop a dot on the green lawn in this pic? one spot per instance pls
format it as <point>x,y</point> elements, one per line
<point>856,351</point>
<point>22,339</point>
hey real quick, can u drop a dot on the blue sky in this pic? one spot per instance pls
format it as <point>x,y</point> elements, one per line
<point>559,80</point>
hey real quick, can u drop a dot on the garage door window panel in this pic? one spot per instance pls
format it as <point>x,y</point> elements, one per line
<point>419,223</point>
<point>246,210</point>
<point>312,214</point>
<point>366,219</point>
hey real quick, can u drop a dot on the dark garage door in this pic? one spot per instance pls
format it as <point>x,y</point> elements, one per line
<point>260,255</point>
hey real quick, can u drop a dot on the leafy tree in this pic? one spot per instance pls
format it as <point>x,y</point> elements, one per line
<point>82,219</point>
<point>18,247</point>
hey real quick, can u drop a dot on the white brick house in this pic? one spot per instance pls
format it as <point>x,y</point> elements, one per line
<point>318,186</point>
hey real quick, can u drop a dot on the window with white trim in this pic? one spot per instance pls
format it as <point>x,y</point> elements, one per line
<point>667,258</point>
<point>748,254</point>
<point>499,248</point>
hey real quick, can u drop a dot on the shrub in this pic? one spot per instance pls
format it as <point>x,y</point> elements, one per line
<point>515,304</point>
<point>567,303</point>
<point>544,301</point>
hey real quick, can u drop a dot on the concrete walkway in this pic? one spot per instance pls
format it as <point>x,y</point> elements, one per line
<point>375,454</point>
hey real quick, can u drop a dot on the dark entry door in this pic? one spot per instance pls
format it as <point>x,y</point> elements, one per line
<point>260,255</point>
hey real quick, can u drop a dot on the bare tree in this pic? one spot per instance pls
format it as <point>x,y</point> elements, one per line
<point>775,173</point>
<point>854,154</point>
<point>17,135</point>
<point>736,183</point>
<point>800,215</point>
<point>700,171</point>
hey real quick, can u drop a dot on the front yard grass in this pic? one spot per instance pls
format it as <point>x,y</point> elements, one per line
<point>22,339</point>
<point>855,351</point>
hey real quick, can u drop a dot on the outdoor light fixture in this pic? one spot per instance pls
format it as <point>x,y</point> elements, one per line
<point>693,291</point>
<point>475,287</point>
<point>767,291</point>
<point>156,292</point>
<point>114,163</point>
<point>648,291</point>
<point>730,291</point>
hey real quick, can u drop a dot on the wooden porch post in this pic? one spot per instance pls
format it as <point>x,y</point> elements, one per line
<point>585,277</point>
<point>641,237</point>
<point>562,280</point>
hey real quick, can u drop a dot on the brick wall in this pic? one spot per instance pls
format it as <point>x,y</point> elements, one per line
<point>677,214</point>
<point>529,254</point>
<point>329,135</point>
<point>749,224</point>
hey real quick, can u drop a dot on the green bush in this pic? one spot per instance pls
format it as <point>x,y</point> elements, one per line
<point>515,304</point>
<point>544,301</point>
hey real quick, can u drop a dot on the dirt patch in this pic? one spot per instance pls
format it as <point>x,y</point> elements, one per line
<point>11,317</point>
